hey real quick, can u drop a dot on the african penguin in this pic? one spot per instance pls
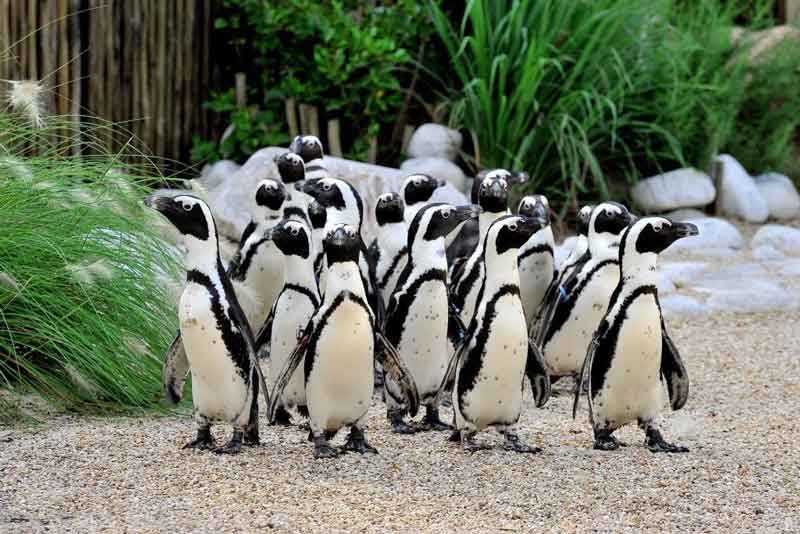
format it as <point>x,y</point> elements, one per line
<point>295,305</point>
<point>388,250</point>
<point>338,349</point>
<point>218,342</point>
<point>417,314</point>
<point>318,217</point>
<point>489,368</point>
<point>536,263</point>
<point>583,298</point>
<point>309,148</point>
<point>417,190</point>
<point>631,353</point>
<point>467,277</point>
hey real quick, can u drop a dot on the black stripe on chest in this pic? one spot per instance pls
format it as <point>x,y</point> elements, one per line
<point>395,324</point>
<point>392,267</point>
<point>240,273</point>
<point>473,360</point>
<point>303,291</point>
<point>311,351</point>
<point>538,249</point>
<point>607,344</point>
<point>466,284</point>
<point>234,340</point>
<point>564,306</point>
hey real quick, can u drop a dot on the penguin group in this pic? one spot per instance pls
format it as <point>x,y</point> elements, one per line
<point>422,316</point>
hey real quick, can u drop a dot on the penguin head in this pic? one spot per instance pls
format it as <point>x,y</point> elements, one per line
<point>269,198</point>
<point>493,192</point>
<point>437,220</point>
<point>291,167</point>
<point>389,208</point>
<point>535,206</point>
<point>653,235</point>
<point>342,244</point>
<point>606,224</point>
<point>317,214</point>
<point>308,147</point>
<point>190,215</point>
<point>418,188</point>
<point>584,215</point>
<point>292,238</point>
<point>334,194</point>
<point>510,232</point>
<point>494,174</point>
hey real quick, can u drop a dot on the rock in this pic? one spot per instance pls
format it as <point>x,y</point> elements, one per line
<point>763,42</point>
<point>737,193</point>
<point>781,196</point>
<point>215,174</point>
<point>791,269</point>
<point>767,253</point>
<point>783,238</point>
<point>729,277</point>
<point>717,237</point>
<point>753,297</point>
<point>434,141</point>
<point>685,214</point>
<point>665,285</point>
<point>682,188</point>
<point>439,168</point>
<point>682,273</point>
<point>682,307</point>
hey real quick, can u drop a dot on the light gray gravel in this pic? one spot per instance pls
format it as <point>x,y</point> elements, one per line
<point>742,474</point>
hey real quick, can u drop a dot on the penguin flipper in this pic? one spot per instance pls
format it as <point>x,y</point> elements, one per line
<point>586,371</point>
<point>176,367</point>
<point>264,337</point>
<point>450,375</point>
<point>673,371</point>
<point>536,372</point>
<point>288,370</point>
<point>394,365</point>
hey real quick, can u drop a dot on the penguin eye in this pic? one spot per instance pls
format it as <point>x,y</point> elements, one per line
<point>513,227</point>
<point>295,231</point>
<point>446,214</point>
<point>657,228</point>
<point>417,181</point>
<point>326,187</point>
<point>187,206</point>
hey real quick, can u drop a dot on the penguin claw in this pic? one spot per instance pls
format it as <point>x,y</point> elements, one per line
<point>232,447</point>
<point>663,446</point>
<point>322,452</point>
<point>401,427</point>
<point>470,445</point>
<point>607,443</point>
<point>514,444</point>
<point>199,444</point>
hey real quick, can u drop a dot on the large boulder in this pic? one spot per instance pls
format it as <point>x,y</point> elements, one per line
<point>434,141</point>
<point>214,175</point>
<point>685,214</point>
<point>781,196</point>
<point>439,168</point>
<point>677,307</point>
<point>737,193</point>
<point>757,295</point>
<point>716,237</point>
<point>782,238</point>
<point>681,188</point>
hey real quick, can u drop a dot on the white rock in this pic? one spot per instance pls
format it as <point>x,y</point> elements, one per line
<point>685,214</point>
<point>434,140</point>
<point>780,194</point>
<point>682,307</point>
<point>683,273</point>
<point>215,174</point>
<point>738,195</point>
<point>767,253</point>
<point>665,285</point>
<point>782,238</point>
<point>439,168</point>
<point>752,297</point>
<point>716,237</point>
<point>682,188</point>
<point>730,277</point>
<point>791,269</point>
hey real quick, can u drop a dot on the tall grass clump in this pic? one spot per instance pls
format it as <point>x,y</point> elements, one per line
<point>84,311</point>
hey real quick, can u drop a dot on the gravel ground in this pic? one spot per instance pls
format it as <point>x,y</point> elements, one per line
<point>742,474</point>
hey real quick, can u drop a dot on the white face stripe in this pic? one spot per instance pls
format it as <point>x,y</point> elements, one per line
<point>600,208</point>
<point>269,183</point>
<point>294,158</point>
<point>385,196</point>
<point>497,173</point>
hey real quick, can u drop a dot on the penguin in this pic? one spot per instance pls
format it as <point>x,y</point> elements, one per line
<point>583,298</point>
<point>219,345</point>
<point>256,273</point>
<point>631,353</point>
<point>388,250</point>
<point>296,303</point>
<point>576,258</point>
<point>309,148</point>
<point>489,369</point>
<point>338,348</point>
<point>417,314</point>
<point>292,171</point>
<point>417,191</point>
<point>536,262</point>
<point>467,277</point>
<point>318,217</point>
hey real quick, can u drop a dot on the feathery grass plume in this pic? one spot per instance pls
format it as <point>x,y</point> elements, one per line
<point>86,304</point>
<point>25,97</point>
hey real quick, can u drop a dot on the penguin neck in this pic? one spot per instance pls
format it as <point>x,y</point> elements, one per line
<point>300,271</point>
<point>347,215</point>
<point>411,211</point>
<point>486,219</point>
<point>392,236</point>
<point>604,247</point>
<point>301,196</point>
<point>501,269</point>
<point>580,248</point>
<point>641,269</point>
<point>343,276</point>
<point>542,237</point>
<point>202,256</point>
<point>429,254</point>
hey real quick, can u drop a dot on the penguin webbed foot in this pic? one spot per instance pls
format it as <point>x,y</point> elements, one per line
<point>323,449</point>
<point>655,442</point>
<point>282,417</point>
<point>357,442</point>
<point>469,444</point>
<point>604,441</point>
<point>455,437</point>
<point>432,421</point>
<point>399,425</point>
<point>234,446</point>
<point>251,437</point>
<point>204,440</point>
<point>514,444</point>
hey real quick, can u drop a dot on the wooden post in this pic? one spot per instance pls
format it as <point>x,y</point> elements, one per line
<point>372,156</point>
<point>408,131</point>
<point>313,121</point>
<point>291,117</point>
<point>241,89</point>
<point>334,139</point>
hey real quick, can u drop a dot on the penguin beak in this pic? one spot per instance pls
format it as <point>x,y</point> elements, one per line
<point>338,236</point>
<point>308,187</point>
<point>519,177</point>
<point>464,213</point>
<point>496,190</point>
<point>530,225</point>
<point>683,229</point>
<point>159,203</point>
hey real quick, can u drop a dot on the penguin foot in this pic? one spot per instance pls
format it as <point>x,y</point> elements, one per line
<point>455,437</point>
<point>204,440</point>
<point>282,417</point>
<point>356,442</point>
<point>251,437</point>
<point>432,421</point>
<point>514,444</point>
<point>234,446</point>
<point>469,444</point>
<point>399,426</point>
<point>606,442</point>
<point>656,443</point>
<point>323,449</point>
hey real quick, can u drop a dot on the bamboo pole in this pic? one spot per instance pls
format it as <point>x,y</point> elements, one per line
<point>291,117</point>
<point>334,139</point>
